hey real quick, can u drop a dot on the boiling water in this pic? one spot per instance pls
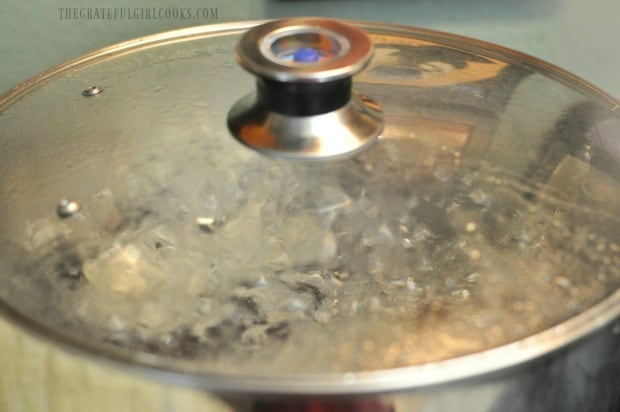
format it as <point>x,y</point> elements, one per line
<point>274,266</point>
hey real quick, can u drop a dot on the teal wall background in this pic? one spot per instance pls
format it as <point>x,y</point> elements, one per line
<point>578,35</point>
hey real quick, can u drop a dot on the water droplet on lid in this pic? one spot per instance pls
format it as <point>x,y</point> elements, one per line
<point>92,91</point>
<point>206,224</point>
<point>67,208</point>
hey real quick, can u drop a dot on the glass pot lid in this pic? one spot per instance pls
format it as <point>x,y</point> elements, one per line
<point>482,223</point>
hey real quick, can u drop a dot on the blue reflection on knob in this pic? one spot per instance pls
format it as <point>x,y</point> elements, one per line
<point>306,55</point>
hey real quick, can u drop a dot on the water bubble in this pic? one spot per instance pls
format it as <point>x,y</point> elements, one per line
<point>472,277</point>
<point>421,233</point>
<point>410,283</point>
<point>423,264</point>
<point>280,263</point>
<point>562,281</point>
<point>441,173</point>
<point>450,281</point>
<point>413,202</point>
<point>297,306</point>
<point>385,234</point>
<point>329,248</point>
<point>470,227</point>
<point>461,294</point>
<point>474,254</point>
<point>355,306</point>
<point>397,282</point>
<point>261,282</point>
<point>255,335</point>
<point>205,307</point>
<point>457,158</point>
<point>322,316</point>
<point>481,198</point>
<point>341,275</point>
<point>116,323</point>
<point>374,303</point>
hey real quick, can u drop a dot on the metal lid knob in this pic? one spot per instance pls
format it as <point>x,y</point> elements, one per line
<point>304,106</point>
<point>270,50</point>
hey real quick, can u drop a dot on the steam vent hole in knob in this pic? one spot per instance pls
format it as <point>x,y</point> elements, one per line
<point>304,106</point>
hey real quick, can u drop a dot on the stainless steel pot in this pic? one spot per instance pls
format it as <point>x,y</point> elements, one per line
<point>440,233</point>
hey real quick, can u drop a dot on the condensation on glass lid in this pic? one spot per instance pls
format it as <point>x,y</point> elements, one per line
<point>319,268</point>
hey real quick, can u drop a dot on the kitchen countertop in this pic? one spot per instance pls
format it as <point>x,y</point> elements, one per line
<point>579,36</point>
